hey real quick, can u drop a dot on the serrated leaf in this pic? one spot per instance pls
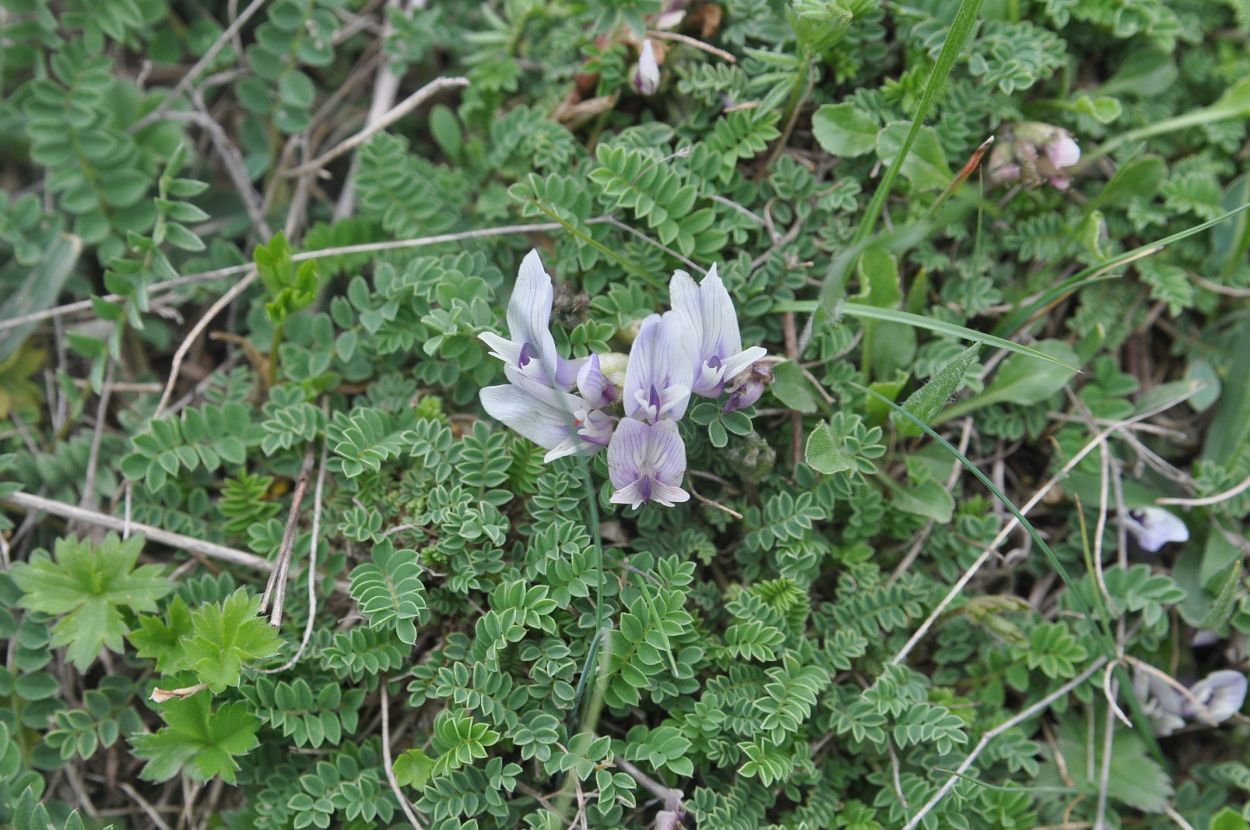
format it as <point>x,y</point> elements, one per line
<point>198,739</point>
<point>226,635</point>
<point>89,584</point>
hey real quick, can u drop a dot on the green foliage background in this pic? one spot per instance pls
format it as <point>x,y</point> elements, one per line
<point>457,636</point>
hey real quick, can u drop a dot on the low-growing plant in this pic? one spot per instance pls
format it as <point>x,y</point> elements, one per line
<point>804,414</point>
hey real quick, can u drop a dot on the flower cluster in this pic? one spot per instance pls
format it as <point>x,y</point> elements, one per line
<point>1033,152</point>
<point>693,349</point>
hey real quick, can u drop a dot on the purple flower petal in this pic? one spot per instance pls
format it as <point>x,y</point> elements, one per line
<point>559,422</point>
<point>594,385</point>
<point>1221,694</point>
<point>530,347</point>
<point>646,462</point>
<point>1154,527</point>
<point>708,312</point>
<point>659,374</point>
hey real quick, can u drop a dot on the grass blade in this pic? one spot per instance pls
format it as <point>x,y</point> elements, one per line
<point>1017,319</point>
<point>961,29</point>
<point>892,315</point>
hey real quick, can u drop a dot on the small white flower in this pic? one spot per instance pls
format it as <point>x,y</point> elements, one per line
<point>647,74</point>
<point>1154,527</point>
<point>1221,693</point>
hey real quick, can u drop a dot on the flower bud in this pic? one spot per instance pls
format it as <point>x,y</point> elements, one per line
<point>1034,152</point>
<point>748,386</point>
<point>647,72</point>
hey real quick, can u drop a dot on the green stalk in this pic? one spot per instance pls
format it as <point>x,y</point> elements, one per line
<point>961,29</point>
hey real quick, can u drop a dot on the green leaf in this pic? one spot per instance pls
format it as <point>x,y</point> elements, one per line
<point>198,739</point>
<point>792,388</point>
<point>1022,380</point>
<point>927,401</point>
<point>1228,819</point>
<point>89,584</point>
<point>413,768</point>
<point>38,291</point>
<point>827,453</point>
<point>929,499</point>
<point>161,639</point>
<point>1136,180</point>
<point>225,635</point>
<point>1201,371</point>
<point>844,130</point>
<point>1228,585</point>
<point>925,166</point>
<point>1135,779</point>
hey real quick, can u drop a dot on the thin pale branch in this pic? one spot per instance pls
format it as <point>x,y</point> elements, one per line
<point>1012,722</point>
<point>397,112</point>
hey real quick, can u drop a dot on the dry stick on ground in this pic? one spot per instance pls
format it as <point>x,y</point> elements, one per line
<point>397,112</point>
<point>1207,501</point>
<point>233,270</point>
<point>145,806</point>
<point>199,66</point>
<point>231,159</point>
<point>387,764</point>
<point>196,330</point>
<point>385,88</point>
<point>31,503</point>
<point>690,41</point>
<point>275,590</point>
<point>1012,722</point>
<point>670,796</point>
<point>1014,522</point>
<point>312,562</point>
<point>88,500</point>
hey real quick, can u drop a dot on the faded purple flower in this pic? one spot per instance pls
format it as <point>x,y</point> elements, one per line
<point>1212,700</point>
<point>748,386</point>
<point>660,372</point>
<point>646,462</point>
<point>594,385</point>
<point>1161,702</point>
<point>708,312</point>
<point>1221,694</point>
<point>647,73</point>
<point>1154,527</point>
<point>530,348</point>
<point>559,422</point>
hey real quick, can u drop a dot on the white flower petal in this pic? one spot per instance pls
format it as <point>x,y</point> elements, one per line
<point>533,418</point>
<point>1221,692</point>
<point>1154,527</point>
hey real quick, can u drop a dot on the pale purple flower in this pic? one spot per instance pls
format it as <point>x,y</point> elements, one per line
<point>646,462</point>
<point>559,422</point>
<point>1154,527</point>
<point>530,349</point>
<point>1063,151</point>
<point>1212,700</point>
<point>594,385</point>
<point>748,386</point>
<point>1162,703</point>
<point>708,312</point>
<point>1221,694</point>
<point>660,371</point>
<point>647,73</point>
